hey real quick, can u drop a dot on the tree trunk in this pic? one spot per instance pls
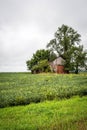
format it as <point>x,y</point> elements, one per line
<point>76,71</point>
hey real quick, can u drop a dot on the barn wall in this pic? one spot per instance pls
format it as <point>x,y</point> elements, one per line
<point>60,69</point>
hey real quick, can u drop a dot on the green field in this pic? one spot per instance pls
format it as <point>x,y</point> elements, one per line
<point>24,88</point>
<point>43,101</point>
<point>68,114</point>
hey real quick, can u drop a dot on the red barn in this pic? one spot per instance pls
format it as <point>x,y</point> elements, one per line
<point>57,65</point>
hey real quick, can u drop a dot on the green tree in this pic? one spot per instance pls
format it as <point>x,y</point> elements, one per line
<point>67,45</point>
<point>78,58</point>
<point>42,66</point>
<point>39,61</point>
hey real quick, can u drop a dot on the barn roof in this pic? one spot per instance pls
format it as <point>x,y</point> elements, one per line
<point>59,61</point>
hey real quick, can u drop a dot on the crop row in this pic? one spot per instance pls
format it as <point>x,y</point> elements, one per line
<point>21,89</point>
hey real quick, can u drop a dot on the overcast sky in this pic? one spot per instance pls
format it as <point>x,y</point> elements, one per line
<point>28,25</point>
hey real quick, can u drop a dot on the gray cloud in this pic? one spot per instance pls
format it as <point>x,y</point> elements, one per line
<point>28,25</point>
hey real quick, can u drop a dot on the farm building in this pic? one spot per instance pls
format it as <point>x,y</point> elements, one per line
<point>57,65</point>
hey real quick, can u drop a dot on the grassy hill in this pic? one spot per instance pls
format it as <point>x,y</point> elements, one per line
<point>68,114</point>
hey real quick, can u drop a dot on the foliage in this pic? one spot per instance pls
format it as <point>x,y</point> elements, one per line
<point>66,44</point>
<point>39,61</point>
<point>42,66</point>
<point>68,114</point>
<point>78,58</point>
<point>24,88</point>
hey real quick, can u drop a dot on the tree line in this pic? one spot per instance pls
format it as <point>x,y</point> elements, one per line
<point>66,44</point>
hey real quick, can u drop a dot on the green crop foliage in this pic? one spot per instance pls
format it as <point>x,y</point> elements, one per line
<point>25,88</point>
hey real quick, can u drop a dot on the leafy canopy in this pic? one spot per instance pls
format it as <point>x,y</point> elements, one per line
<point>39,61</point>
<point>67,45</point>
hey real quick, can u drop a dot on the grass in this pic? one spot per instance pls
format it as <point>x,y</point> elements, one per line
<point>24,88</point>
<point>68,114</point>
<point>43,93</point>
